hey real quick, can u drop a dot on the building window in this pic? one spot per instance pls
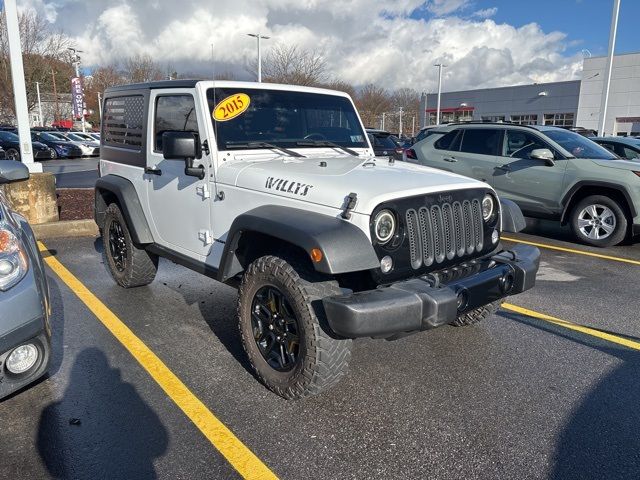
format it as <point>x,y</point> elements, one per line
<point>559,119</point>
<point>525,119</point>
<point>451,116</point>
<point>493,118</point>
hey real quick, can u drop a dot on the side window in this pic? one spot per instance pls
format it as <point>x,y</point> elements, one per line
<point>520,144</point>
<point>608,146</point>
<point>483,141</point>
<point>122,121</point>
<point>450,141</point>
<point>631,154</point>
<point>173,113</point>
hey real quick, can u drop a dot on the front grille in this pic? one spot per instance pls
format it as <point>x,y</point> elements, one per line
<point>444,232</point>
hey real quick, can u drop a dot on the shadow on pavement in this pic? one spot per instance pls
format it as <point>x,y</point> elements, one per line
<point>101,428</point>
<point>600,439</point>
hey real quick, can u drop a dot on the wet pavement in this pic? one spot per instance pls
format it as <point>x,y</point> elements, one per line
<point>514,397</point>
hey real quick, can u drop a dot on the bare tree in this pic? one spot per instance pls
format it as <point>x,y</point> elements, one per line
<point>44,55</point>
<point>341,86</point>
<point>141,68</point>
<point>100,79</point>
<point>372,102</point>
<point>291,65</point>
<point>409,100</point>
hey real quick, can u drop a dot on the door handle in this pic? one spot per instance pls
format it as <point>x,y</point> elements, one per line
<point>152,171</point>
<point>450,159</point>
<point>505,168</point>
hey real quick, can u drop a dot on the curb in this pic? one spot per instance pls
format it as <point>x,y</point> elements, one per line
<point>66,228</point>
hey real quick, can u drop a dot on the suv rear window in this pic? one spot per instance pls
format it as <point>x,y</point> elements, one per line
<point>450,141</point>
<point>383,141</point>
<point>483,141</point>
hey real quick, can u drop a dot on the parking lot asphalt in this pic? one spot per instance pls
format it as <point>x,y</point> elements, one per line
<point>514,397</point>
<point>73,173</point>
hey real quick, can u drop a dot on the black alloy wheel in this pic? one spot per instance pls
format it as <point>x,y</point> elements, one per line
<point>13,154</point>
<point>275,328</point>
<point>117,245</point>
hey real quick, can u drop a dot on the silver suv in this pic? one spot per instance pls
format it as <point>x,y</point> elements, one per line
<point>549,172</point>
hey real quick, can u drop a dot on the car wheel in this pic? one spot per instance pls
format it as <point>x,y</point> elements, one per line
<point>129,265</point>
<point>477,315</point>
<point>284,330</point>
<point>13,154</point>
<point>599,220</point>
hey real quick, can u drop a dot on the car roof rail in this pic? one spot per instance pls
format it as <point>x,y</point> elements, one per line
<point>482,122</point>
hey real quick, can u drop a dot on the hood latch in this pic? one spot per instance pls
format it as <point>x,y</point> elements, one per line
<point>350,204</point>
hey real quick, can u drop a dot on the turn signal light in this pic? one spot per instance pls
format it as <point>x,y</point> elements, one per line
<point>316,255</point>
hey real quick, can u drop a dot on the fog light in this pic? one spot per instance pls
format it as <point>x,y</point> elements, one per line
<point>462,300</point>
<point>495,236</point>
<point>22,358</point>
<point>386,264</point>
<point>506,282</point>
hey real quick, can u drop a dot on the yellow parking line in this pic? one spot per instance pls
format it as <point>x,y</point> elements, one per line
<point>237,454</point>
<point>571,250</point>
<point>572,326</point>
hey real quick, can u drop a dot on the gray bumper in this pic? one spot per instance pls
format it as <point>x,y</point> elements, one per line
<point>420,304</point>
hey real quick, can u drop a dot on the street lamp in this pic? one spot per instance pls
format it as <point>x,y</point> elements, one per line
<point>440,67</point>
<point>258,37</point>
<point>607,80</point>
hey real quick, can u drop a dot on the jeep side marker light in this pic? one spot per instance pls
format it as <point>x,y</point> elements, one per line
<point>316,255</point>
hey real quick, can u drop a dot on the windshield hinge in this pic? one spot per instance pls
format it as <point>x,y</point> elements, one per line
<point>205,237</point>
<point>205,147</point>
<point>204,191</point>
<point>350,203</point>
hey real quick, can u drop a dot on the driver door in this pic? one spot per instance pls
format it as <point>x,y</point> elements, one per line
<point>536,187</point>
<point>179,204</point>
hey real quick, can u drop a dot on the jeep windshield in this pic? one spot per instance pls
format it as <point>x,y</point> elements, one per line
<point>263,118</point>
<point>579,146</point>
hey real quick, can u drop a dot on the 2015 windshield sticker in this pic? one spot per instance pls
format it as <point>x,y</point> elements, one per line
<point>288,186</point>
<point>231,107</point>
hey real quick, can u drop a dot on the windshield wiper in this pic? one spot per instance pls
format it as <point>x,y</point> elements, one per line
<point>326,143</point>
<point>291,153</point>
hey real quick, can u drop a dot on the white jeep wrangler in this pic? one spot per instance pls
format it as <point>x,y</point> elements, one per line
<point>275,189</point>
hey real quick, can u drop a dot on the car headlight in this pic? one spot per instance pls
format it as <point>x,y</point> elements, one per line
<point>13,259</point>
<point>384,226</point>
<point>488,207</point>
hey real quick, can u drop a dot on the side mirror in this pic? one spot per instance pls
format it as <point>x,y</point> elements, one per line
<point>12,171</point>
<point>543,154</point>
<point>183,146</point>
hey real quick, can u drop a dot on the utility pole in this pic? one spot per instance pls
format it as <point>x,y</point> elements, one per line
<point>413,126</point>
<point>100,108</point>
<point>76,63</point>
<point>56,115</point>
<point>258,36</point>
<point>19,88</point>
<point>400,124</point>
<point>41,122</point>
<point>383,114</point>
<point>607,80</point>
<point>440,67</point>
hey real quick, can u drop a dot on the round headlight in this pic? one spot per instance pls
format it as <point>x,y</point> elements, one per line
<point>22,359</point>
<point>384,226</point>
<point>487,207</point>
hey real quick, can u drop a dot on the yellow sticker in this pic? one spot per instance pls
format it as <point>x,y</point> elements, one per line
<point>231,107</point>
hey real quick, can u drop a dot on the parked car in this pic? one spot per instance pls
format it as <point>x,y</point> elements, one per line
<point>25,332</point>
<point>383,144</point>
<point>10,142</point>
<point>90,148</point>
<point>61,147</point>
<point>624,147</point>
<point>95,136</point>
<point>548,171</point>
<point>424,133</point>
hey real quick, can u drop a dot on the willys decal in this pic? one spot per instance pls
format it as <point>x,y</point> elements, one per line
<point>288,186</point>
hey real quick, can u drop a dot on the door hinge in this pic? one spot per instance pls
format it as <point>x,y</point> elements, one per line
<point>204,191</point>
<point>205,237</point>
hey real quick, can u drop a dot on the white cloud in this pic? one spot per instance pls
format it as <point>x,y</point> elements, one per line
<point>362,40</point>
<point>485,12</point>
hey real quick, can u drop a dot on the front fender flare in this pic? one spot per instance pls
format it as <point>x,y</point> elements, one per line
<point>345,247</point>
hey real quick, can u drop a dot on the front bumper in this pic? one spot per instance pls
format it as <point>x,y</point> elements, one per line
<point>429,301</point>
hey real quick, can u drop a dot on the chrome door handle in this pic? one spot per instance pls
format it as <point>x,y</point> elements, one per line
<point>450,159</point>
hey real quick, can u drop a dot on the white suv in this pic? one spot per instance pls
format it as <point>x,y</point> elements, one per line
<point>275,189</point>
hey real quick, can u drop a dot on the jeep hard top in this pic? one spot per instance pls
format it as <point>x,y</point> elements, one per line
<point>275,189</point>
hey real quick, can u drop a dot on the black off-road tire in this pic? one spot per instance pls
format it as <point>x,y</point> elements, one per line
<point>477,315</point>
<point>622,224</point>
<point>140,266</point>
<point>323,357</point>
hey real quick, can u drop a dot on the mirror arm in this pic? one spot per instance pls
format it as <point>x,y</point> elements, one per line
<point>192,171</point>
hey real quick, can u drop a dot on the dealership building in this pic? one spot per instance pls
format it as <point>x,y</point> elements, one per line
<point>574,103</point>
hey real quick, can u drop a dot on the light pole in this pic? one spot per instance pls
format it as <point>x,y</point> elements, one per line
<point>19,88</point>
<point>76,63</point>
<point>440,67</point>
<point>607,81</point>
<point>258,36</point>
<point>39,105</point>
<point>100,108</point>
<point>400,124</point>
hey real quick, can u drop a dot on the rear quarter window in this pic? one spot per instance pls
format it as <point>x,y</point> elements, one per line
<point>123,121</point>
<point>449,141</point>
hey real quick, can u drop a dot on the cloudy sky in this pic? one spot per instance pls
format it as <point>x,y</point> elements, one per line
<point>393,43</point>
